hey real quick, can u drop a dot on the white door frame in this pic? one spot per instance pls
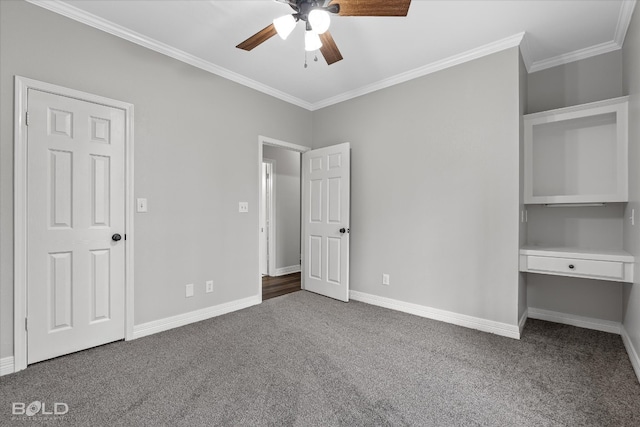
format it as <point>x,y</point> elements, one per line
<point>265,140</point>
<point>22,84</point>
<point>271,216</point>
<point>264,239</point>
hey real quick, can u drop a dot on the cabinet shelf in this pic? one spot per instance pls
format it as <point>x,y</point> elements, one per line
<point>577,154</point>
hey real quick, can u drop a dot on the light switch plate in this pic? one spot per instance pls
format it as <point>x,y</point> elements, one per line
<point>189,290</point>
<point>141,205</point>
<point>243,207</point>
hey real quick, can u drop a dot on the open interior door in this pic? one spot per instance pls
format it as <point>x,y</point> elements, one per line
<point>326,210</point>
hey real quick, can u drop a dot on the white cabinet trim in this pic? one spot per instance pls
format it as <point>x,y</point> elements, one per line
<point>615,105</point>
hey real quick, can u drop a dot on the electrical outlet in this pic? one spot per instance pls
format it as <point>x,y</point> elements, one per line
<point>189,290</point>
<point>243,207</point>
<point>633,217</point>
<point>209,286</point>
<point>385,279</point>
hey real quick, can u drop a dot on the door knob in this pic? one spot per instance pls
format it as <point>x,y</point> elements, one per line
<point>116,237</point>
<point>343,230</point>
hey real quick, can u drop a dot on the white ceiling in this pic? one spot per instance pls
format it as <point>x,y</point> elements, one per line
<point>378,51</point>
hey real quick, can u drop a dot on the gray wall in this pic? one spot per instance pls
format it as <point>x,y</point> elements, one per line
<point>435,187</point>
<point>631,80</point>
<point>196,154</point>
<point>579,82</point>
<point>287,192</point>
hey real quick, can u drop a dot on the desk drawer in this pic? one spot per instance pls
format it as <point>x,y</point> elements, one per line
<point>577,267</point>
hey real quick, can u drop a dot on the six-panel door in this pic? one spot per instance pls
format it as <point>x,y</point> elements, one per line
<point>326,200</point>
<point>76,194</point>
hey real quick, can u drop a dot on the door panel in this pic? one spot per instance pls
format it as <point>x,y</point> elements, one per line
<point>100,285</point>
<point>59,295</point>
<point>100,194</point>
<point>75,199</point>
<point>326,184</point>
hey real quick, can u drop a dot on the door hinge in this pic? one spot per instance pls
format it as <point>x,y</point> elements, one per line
<point>26,119</point>
<point>26,324</point>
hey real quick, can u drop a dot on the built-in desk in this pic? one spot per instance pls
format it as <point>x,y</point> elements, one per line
<point>616,266</point>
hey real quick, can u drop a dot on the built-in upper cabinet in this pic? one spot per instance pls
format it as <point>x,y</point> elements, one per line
<point>577,154</point>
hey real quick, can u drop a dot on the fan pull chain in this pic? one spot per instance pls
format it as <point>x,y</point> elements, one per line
<point>315,59</point>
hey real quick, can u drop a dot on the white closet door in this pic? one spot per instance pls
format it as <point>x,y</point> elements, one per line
<point>76,209</point>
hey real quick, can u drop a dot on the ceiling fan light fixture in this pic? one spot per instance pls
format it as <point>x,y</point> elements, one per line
<point>284,25</point>
<point>311,41</point>
<point>319,20</point>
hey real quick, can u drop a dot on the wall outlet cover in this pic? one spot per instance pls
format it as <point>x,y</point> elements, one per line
<point>209,286</point>
<point>243,207</point>
<point>385,279</point>
<point>141,205</point>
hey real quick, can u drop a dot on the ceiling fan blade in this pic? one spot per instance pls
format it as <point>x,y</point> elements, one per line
<point>258,38</point>
<point>329,49</point>
<point>373,7</point>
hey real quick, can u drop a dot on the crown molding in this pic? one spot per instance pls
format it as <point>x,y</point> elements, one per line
<point>94,21</point>
<point>467,56</point>
<point>576,55</point>
<point>525,51</point>
<point>624,19</point>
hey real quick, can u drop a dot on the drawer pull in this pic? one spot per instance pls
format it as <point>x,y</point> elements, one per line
<point>571,266</point>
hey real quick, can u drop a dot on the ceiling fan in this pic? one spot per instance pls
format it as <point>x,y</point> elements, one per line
<point>316,15</point>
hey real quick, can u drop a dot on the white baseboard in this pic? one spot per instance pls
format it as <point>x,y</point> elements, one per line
<point>287,270</point>
<point>161,325</point>
<point>6,366</point>
<point>484,325</point>
<point>574,320</point>
<point>631,351</point>
<point>523,320</point>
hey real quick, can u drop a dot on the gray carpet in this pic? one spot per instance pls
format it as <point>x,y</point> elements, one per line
<point>306,360</point>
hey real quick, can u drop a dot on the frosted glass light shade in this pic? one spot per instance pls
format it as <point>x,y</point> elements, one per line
<point>311,41</point>
<point>319,20</point>
<point>284,25</point>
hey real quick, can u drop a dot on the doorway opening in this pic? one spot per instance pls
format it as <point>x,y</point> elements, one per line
<point>280,217</point>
